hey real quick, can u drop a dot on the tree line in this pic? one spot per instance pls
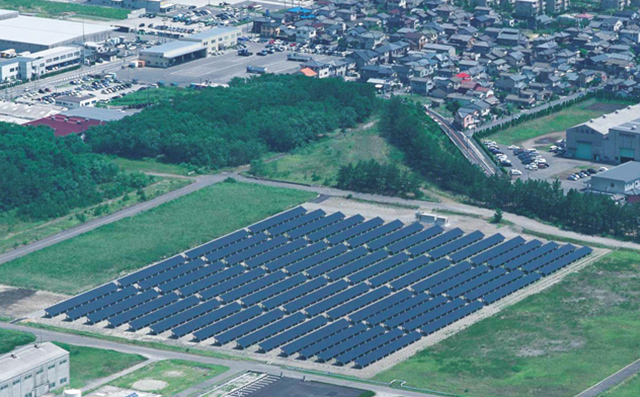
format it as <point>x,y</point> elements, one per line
<point>43,176</point>
<point>374,177</point>
<point>230,126</point>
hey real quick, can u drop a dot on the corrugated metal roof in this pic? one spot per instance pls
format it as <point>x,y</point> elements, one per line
<point>24,358</point>
<point>627,172</point>
<point>43,31</point>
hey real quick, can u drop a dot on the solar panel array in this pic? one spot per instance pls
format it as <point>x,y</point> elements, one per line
<point>332,288</point>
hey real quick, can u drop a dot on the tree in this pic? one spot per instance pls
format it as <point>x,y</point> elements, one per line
<point>497,216</point>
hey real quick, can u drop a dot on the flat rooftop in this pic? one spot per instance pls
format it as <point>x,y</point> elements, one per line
<point>175,49</point>
<point>603,123</point>
<point>23,358</point>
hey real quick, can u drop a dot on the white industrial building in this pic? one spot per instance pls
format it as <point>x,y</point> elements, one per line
<point>27,33</point>
<point>33,370</point>
<point>40,63</point>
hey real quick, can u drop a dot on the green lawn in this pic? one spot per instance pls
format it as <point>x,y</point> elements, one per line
<point>630,388</point>
<point>56,9</point>
<point>15,232</point>
<point>318,163</point>
<point>557,122</point>
<point>556,343</point>
<point>9,339</point>
<point>179,375</point>
<point>88,363</point>
<point>149,165</point>
<point>112,250</point>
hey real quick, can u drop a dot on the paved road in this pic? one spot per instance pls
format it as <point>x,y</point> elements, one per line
<point>200,182</point>
<point>612,380</point>
<point>234,366</point>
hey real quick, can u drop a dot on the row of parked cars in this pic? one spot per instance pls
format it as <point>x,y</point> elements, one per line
<point>585,173</point>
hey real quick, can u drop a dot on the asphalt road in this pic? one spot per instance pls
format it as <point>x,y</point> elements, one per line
<point>234,366</point>
<point>613,380</point>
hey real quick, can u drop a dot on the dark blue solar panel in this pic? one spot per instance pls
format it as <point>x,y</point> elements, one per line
<point>451,318</point>
<point>337,262</point>
<point>432,315</point>
<point>386,350</point>
<point>395,236</point>
<point>564,261</point>
<point>477,247</point>
<point>180,317</point>
<point>375,233</point>
<point>314,337</point>
<point>232,283</point>
<point>401,308</point>
<point>282,287</point>
<point>236,247</point>
<point>455,245</point>
<point>420,274</point>
<point>399,271</point>
<point>295,256</point>
<point>335,228</point>
<point>211,280</point>
<point>538,263</point>
<point>417,311</point>
<point>81,299</point>
<point>151,270</point>
<point>270,330</point>
<point>357,265</point>
<point>378,268</point>
<point>331,341</point>
<point>297,222</point>
<point>380,306</point>
<point>436,242</point>
<point>293,333</point>
<point>454,292</point>
<point>163,313</point>
<point>259,283</point>
<point>277,219</point>
<point>531,255</point>
<point>350,343</point>
<point>511,288</point>
<point>227,323</point>
<point>372,344</point>
<point>441,277</point>
<point>493,285</point>
<point>459,279</point>
<point>415,239</point>
<point>502,259</point>
<point>498,250</point>
<point>103,301</point>
<point>276,253</point>
<point>190,278</point>
<point>203,316</point>
<point>316,225</point>
<point>316,296</point>
<point>294,293</point>
<point>119,307</point>
<point>355,231</point>
<point>143,309</point>
<point>256,250</point>
<point>316,259</point>
<point>336,300</point>
<point>217,244</point>
<point>248,327</point>
<point>171,274</point>
<point>359,302</point>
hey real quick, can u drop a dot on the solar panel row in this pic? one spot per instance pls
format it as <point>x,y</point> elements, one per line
<point>316,225</point>
<point>277,219</point>
<point>217,244</point>
<point>399,271</point>
<point>335,228</point>
<point>374,234</point>
<point>354,231</point>
<point>296,223</point>
<point>477,247</point>
<point>395,236</point>
<point>316,259</point>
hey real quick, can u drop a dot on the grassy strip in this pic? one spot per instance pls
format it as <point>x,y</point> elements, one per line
<point>149,165</point>
<point>15,232</point>
<point>57,9</point>
<point>178,376</point>
<point>88,363</point>
<point>556,122</point>
<point>112,250</point>
<point>10,339</point>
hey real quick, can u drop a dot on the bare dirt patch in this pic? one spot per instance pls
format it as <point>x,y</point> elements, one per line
<point>173,374</point>
<point>605,107</point>
<point>20,302</point>
<point>149,385</point>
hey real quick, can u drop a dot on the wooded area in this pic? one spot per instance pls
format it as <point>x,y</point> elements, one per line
<point>218,127</point>
<point>374,177</point>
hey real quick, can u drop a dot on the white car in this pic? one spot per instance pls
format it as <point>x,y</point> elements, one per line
<point>516,172</point>
<point>513,147</point>
<point>603,169</point>
<point>531,167</point>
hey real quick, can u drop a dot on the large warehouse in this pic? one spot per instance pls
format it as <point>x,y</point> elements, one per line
<point>33,370</point>
<point>613,137</point>
<point>26,33</point>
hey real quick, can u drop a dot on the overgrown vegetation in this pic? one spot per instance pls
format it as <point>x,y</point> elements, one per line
<point>44,176</point>
<point>105,253</point>
<point>57,9</point>
<point>218,127</point>
<point>555,343</point>
<point>9,339</point>
<point>374,177</point>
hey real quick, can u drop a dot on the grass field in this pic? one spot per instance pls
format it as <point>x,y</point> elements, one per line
<point>15,232</point>
<point>556,343</point>
<point>149,165</point>
<point>630,388</point>
<point>179,375</point>
<point>88,363</point>
<point>560,121</point>
<point>318,163</point>
<point>56,9</point>
<point>100,255</point>
<point>9,339</point>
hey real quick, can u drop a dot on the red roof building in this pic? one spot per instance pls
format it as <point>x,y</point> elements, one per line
<point>64,125</point>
